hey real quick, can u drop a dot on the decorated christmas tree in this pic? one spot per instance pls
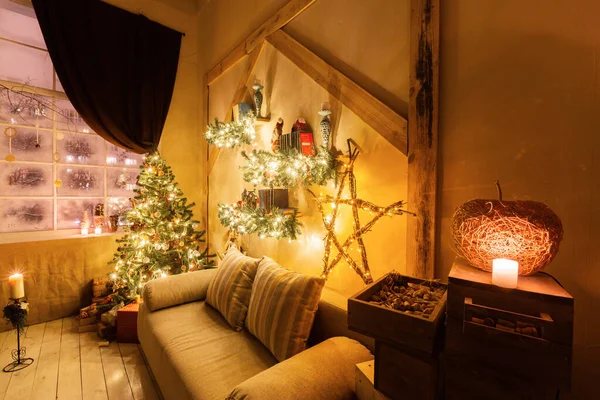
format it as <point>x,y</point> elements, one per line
<point>162,238</point>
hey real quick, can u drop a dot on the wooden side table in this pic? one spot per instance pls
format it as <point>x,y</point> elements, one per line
<point>365,382</point>
<point>127,323</point>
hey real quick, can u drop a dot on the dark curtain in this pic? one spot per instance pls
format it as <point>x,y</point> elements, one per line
<point>117,68</point>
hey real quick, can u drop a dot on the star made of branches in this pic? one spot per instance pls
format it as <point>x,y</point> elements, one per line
<point>331,239</point>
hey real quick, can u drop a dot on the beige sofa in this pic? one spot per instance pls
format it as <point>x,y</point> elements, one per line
<point>195,354</point>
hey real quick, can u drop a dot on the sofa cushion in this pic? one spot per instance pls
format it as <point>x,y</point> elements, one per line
<point>194,353</point>
<point>229,291</point>
<point>282,308</point>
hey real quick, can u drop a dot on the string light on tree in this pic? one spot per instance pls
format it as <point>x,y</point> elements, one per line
<point>232,134</point>
<point>163,238</point>
<point>329,219</point>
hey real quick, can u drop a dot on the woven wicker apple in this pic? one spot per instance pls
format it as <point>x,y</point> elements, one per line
<point>526,231</point>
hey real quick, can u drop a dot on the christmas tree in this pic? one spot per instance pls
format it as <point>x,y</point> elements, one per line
<point>162,238</point>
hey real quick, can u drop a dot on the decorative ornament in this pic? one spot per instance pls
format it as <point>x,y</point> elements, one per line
<point>16,313</point>
<point>58,183</point>
<point>99,215</point>
<point>288,168</point>
<point>325,126</point>
<point>258,97</point>
<point>359,230</point>
<point>525,231</point>
<point>276,137</point>
<point>10,132</point>
<point>232,134</point>
<point>85,220</point>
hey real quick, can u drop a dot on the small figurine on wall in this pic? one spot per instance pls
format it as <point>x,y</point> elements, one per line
<point>258,97</point>
<point>325,124</point>
<point>276,138</point>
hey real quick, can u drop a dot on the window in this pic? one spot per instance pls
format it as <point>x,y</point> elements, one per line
<point>61,168</point>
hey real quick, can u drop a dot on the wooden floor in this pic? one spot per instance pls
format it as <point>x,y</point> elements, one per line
<point>71,366</point>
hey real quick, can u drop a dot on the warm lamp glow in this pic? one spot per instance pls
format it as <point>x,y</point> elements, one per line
<point>17,289</point>
<point>98,230</point>
<point>505,272</point>
<point>85,231</point>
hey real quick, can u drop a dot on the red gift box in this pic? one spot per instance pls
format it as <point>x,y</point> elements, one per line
<point>127,323</point>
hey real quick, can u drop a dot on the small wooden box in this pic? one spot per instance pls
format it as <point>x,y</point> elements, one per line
<point>270,198</point>
<point>396,327</point>
<point>537,301</point>
<point>365,382</point>
<point>127,323</point>
<point>402,373</point>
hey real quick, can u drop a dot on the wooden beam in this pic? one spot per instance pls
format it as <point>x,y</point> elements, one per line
<point>423,136</point>
<point>20,87</point>
<point>240,92</point>
<point>285,14</point>
<point>376,114</point>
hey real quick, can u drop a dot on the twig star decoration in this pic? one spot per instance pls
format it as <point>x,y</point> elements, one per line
<point>331,239</point>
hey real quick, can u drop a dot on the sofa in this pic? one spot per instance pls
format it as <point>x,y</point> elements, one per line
<point>195,354</point>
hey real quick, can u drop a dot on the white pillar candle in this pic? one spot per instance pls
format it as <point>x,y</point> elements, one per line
<point>17,289</point>
<point>505,272</point>
<point>85,231</point>
<point>98,230</point>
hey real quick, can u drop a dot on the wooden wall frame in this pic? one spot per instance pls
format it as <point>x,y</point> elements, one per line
<point>417,137</point>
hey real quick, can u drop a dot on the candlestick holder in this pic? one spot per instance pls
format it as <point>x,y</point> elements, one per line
<point>18,355</point>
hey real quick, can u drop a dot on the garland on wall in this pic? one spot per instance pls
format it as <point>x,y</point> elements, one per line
<point>289,168</point>
<point>234,133</point>
<point>244,219</point>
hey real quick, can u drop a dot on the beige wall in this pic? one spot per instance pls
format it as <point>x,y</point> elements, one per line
<point>289,94</point>
<point>518,103</point>
<point>57,273</point>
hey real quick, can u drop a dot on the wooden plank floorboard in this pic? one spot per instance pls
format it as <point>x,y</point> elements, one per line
<point>21,382</point>
<point>140,380</point>
<point>92,374</point>
<point>117,383</point>
<point>46,376</point>
<point>6,346</point>
<point>69,368</point>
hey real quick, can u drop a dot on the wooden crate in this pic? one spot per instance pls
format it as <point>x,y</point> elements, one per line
<point>396,327</point>
<point>402,373</point>
<point>127,323</point>
<point>537,301</point>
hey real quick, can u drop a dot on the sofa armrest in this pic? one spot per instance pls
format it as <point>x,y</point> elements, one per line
<point>177,289</point>
<point>323,372</point>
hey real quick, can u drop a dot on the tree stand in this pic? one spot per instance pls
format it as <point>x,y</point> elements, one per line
<point>19,360</point>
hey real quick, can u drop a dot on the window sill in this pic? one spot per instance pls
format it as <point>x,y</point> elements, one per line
<point>24,237</point>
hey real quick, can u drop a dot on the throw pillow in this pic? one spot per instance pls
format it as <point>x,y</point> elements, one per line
<point>229,291</point>
<point>282,308</point>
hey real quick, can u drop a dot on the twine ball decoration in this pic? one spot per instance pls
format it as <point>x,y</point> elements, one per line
<point>525,231</point>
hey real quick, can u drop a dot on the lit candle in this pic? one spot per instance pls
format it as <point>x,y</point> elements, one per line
<point>505,272</point>
<point>17,290</point>
<point>98,230</point>
<point>84,231</point>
